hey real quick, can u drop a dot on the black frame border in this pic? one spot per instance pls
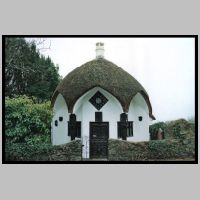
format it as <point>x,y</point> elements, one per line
<point>101,162</point>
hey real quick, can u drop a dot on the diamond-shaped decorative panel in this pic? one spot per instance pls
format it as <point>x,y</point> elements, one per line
<point>98,100</point>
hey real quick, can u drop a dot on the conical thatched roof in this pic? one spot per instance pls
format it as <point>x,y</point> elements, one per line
<point>104,74</point>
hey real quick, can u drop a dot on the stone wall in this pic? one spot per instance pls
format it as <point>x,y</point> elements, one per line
<point>45,152</point>
<point>120,150</point>
<point>67,152</point>
<point>171,149</point>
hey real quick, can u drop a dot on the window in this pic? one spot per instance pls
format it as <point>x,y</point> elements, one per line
<point>98,100</point>
<point>128,127</point>
<point>98,116</point>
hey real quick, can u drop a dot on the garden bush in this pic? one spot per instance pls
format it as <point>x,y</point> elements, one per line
<point>176,129</point>
<point>179,129</point>
<point>25,152</point>
<point>171,149</point>
<point>153,129</point>
<point>26,121</point>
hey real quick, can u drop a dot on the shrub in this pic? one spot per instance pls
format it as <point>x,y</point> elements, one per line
<point>25,152</point>
<point>171,148</point>
<point>24,120</point>
<point>153,129</point>
<point>179,129</point>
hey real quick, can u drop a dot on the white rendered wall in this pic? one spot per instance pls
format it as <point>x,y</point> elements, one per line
<point>138,107</point>
<point>85,112</point>
<point>59,134</point>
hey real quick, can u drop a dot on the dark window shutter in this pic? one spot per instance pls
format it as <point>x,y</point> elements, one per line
<point>122,130</point>
<point>69,130</point>
<point>72,130</point>
<point>78,131</point>
<point>119,130</point>
<point>130,129</point>
<point>75,129</point>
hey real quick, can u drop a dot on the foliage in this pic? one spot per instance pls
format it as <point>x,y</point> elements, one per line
<point>44,152</point>
<point>179,129</point>
<point>124,150</point>
<point>23,151</point>
<point>27,72</point>
<point>167,149</point>
<point>153,129</point>
<point>176,129</point>
<point>38,139</point>
<point>26,121</point>
<point>171,148</point>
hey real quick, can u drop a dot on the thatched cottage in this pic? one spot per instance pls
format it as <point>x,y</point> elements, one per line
<point>98,101</point>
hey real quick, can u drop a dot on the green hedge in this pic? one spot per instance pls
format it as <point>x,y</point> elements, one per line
<point>23,151</point>
<point>26,121</point>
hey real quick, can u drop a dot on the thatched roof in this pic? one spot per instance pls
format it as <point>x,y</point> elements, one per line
<point>104,74</point>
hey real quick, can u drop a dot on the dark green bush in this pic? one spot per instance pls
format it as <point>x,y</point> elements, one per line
<point>153,129</point>
<point>26,121</point>
<point>179,129</point>
<point>23,151</point>
<point>171,148</point>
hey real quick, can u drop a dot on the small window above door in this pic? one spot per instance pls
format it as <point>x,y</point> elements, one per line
<point>98,117</point>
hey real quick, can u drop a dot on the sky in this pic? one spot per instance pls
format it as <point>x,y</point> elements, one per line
<point>164,66</point>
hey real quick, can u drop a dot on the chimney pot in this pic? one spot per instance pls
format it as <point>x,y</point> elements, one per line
<point>99,50</point>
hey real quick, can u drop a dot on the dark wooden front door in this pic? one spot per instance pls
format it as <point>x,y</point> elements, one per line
<point>99,134</point>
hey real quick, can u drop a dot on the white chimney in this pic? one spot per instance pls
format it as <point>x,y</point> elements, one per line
<point>99,50</point>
